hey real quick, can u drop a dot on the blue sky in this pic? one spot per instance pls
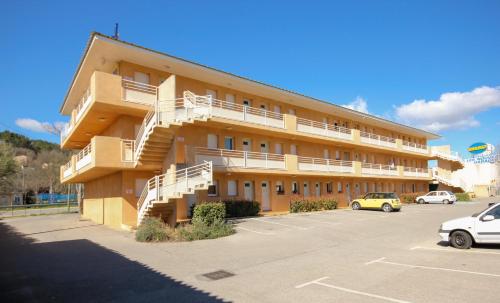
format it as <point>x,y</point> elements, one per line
<point>378,56</point>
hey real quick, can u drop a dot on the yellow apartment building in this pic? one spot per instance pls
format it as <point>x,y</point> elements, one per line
<point>154,133</point>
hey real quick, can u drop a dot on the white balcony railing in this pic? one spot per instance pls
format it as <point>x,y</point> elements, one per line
<point>374,139</point>
<point>378,169</point>
<point>323,129</point>
<point>415,147</point>
<point>67,169</point>
<point>241,159</point>
<point>173,185</point>
<point>138,92</point>
<point>234,111</point>
<point>83,105</point>
<point>452,156</point>
<point>325,165</point>
<point>84,157</point>
<point>415,172</point>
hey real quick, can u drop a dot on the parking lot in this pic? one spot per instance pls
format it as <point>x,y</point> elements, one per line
<point>334,256</point>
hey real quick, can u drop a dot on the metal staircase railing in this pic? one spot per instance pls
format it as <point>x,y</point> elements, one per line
<point>171,185</point>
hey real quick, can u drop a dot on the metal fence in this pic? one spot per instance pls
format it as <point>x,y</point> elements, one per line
<point>38,209</point>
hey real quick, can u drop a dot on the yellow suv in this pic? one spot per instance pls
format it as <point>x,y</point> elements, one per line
<point>386,201</point>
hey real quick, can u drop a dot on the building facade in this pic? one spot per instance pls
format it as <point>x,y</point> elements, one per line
<point>154,134</point>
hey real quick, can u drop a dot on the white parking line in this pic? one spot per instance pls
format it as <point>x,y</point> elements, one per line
<point>454,250</point>
<point>255,231</point>
<point>319,221</point>
<point>352,291</point>
<point>381,260</point>
<point>282,224</point>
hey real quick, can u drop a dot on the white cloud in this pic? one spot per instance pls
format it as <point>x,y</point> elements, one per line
<point>358,104</point>
<point>452,110</point>
<point>40,127</point>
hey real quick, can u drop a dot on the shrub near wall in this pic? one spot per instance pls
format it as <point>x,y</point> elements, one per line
<point>209,213</point>
<point>410,197</point>
<point>241,208</point>
<point>308,205</point>
<point>463,197</point>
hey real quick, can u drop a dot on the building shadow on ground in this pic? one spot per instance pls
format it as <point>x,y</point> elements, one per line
<point>81,271</point>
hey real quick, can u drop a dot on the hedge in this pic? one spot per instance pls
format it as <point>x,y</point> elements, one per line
<point>209,213</point>
<point>410,197</point>
<point>308,205</point>
<point>236,208</point>
<point>152,230</point>
<point>463,197</point>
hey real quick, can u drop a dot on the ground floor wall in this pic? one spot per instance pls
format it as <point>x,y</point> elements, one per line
<point>275,193</point>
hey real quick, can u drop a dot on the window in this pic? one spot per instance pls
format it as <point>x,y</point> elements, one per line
<point>212,93</point>
<point>293,149</point>
<point>247,102</point>
<point>213,190</point>
<point>339,187</point>
<point>432,194</point>
<point>347,156</point>
<point>230,98</point>
<point>263,106</point>
<point>495,212</point>
<point>212,141</point>
<point>228,143</point>
<point>141,77</point>
<point>337,155</point>
<point>443,193</point>
<point>139,186</point>
<point>280,190</point>
<point>291,111</point>
<point>365,187</point>
<point>232,188</point>
<point>277,109</point>
<point>295,188</point>
<point>329,187</point>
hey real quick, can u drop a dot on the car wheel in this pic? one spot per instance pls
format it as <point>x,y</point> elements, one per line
<point>355,206</point>
<point>421,201</point>
<point>387,208</point>
<point>446,201</point>
<point>461,240</point>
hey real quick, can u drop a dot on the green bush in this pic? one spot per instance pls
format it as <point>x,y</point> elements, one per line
<point>209,213</point>
<point>201,231</point>
<point>312,205</point>
<point>241,208</point>
<point>463,197</point>
<point>151,230</point>
<point>409,197</point>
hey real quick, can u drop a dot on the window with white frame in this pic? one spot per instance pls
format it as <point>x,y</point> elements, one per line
<point>339,187</point>
<point>295,188</point>
<point>213,189</point>
<point>280,189</point>
<point>329,187</point>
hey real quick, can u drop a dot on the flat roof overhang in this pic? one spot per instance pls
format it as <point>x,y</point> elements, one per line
<point>103,53</point>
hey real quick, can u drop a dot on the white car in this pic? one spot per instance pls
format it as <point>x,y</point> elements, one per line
<point>483,227</point>
<point>445,197</point>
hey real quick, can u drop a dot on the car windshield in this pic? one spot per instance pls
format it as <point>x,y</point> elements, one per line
<point>450,193</point>
<point>477,214</point>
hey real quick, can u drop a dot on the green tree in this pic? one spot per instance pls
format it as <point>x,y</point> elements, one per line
<point>8,167</point>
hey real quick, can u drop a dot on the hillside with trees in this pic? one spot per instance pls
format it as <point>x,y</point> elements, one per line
<point>30,166</point>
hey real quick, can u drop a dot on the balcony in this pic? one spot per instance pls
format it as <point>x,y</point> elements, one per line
<point>233,111</point>
<point>416,172</point>
<point>104,155</point>
<point>415,147</point>
<point>240,159</point>
<point>106,97</point>
<point>379,169</point>
<point>377,140</point>
<point>323,129</point>
<point>324,165</point>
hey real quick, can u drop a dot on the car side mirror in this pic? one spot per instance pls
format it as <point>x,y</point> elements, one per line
<point>488,218</point>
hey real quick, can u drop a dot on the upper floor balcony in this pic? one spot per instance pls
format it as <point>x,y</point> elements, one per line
<point>106,97</point>
<point>102,156</point>
<point>266,163</point>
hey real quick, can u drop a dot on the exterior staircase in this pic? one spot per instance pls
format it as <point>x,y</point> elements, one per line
<point>159,194</point>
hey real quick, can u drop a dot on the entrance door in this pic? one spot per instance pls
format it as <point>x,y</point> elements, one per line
<point>318,189</point>
<point>306,189</point>
<point>357,190</point>
<point>278,149</point>
<point>212,141</point>
<point>348,192</point>
<point>248,190</point>
<point>247,145</point>
<point>265,203</point>
<point>264,147</point>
